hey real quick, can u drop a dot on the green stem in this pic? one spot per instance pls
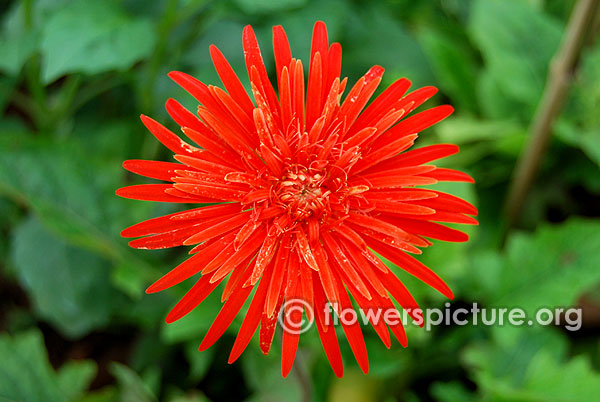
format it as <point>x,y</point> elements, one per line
<point>92,90</point>
<point>164,28</point>
<point>558,82</point>
<point>65,99</point>
<point>28,14</point>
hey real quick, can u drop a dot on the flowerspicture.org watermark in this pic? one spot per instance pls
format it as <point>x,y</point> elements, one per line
<point>292,319</point>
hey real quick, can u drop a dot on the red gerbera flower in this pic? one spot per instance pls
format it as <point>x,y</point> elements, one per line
<point>304,189</point>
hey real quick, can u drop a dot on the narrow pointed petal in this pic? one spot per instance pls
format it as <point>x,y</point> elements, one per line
<point>157,192</point>
<point>412,266</point>
<point>281,50</point>
<point>326,330</point>
<point>167,137</point>
<point>252,318</point>
<point>230,80</point>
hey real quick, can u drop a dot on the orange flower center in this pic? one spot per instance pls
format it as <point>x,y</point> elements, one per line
<point>302,192</point>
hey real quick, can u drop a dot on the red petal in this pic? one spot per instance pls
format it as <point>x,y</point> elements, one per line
<point>192,298</point>
<point>225,317</point>
<point>384,153</point>
<point>189,267</point>
<point>184,117</point>
<point>380,105</point>
<point>252,318</point>
<point>156,192</point>
<point>219,228</point>
<point>416,157</point>
<point>281,50</point>
<point>344,263</point>
<point>292,317</point>
<point>274,293</point>
<point>248,249</point>
<point>326,329</point>
<point>210,191</point>
<point>178,220</point>
<point>153,169</point>
<point>415,124</point>
<point>167,137</point>
<point>313,93</point>
<point>264,257</point>
<point>254,59</point>
<point>411,266</point>
<point>442,174</point>
<point>353,331</point>
<point>230,80</point>
<point>402,295</point>
<point>428,229</point>
<point>267,329</point>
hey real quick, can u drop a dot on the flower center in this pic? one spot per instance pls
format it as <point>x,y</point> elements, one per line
<point>302,192</point>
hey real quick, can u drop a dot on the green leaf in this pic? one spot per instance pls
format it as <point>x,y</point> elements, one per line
<point>579,124</point>
<point>131,386</point>
<point>450,392</point>
<point>73,194</point>
<point>453,65</point>
<point>199,361</point>
<point>75,376</point>
<point>378,38</point>
<point>69,286</point>
<point>528,364</point>
<point>263,375</point>
<point>550,380</point>
<point>517,43</point>
<point>17,43</point>
<point>550,268</point>
<point>268,6</point>
<point>26,374</point>
<point>100,38</point>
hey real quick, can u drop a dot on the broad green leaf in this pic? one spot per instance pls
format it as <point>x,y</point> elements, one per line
<point>506,356</point>
<point>131,386</point>
<point>380,39</point>
<point>26,374</point>
<point>92,36</point>
<point>551,380</point>
<point>75,376</point>
<point>199,361</point>
<point>17,42</point>
<point>69,286</point>
<point>529,365</point>
<point>73,194</point>
<point>453,65</point>
<point>517,43</point>
<point>451,392</point>
<point>263,375</point>
<point>550,268</point>
<point>579,124</point>
<point>463,130</point>
<point>482,138</point>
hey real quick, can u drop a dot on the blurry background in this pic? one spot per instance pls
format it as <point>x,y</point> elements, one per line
<point>75,324</point>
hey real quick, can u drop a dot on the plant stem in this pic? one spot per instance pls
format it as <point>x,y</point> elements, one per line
<point>558,82</point>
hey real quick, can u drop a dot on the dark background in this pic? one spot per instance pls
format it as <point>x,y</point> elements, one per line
<point>75,323</point>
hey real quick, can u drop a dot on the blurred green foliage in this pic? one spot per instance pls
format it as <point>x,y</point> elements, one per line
<point>76,325</point>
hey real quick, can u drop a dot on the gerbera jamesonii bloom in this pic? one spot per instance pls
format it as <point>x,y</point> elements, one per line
<point>304,187</point>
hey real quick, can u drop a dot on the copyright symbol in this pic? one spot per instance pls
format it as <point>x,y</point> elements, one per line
<point>291,319</point>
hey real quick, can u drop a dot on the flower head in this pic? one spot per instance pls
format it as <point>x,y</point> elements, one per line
<point>305,187</point>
